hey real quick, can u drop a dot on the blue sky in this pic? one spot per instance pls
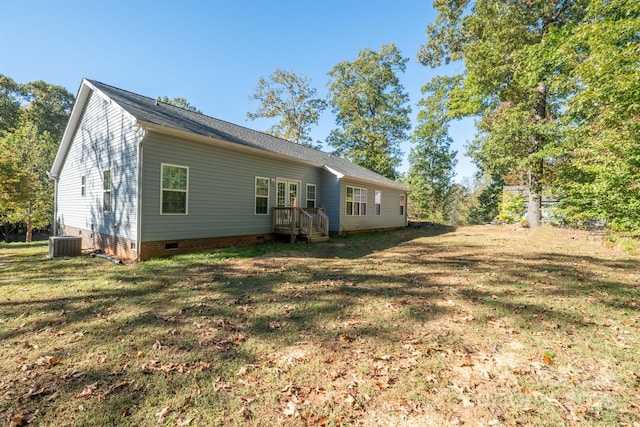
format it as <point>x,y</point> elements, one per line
<point>213,52</point>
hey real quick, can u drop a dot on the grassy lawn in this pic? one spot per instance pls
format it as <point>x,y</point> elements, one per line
<point>477,326</point>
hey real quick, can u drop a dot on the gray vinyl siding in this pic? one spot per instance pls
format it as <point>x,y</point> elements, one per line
<point>390,208</point>
<point>105,139</point>
<point>331,200</point>
<point>221,193</point>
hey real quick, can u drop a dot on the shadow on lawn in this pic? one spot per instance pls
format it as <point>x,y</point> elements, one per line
<point>196,307</point>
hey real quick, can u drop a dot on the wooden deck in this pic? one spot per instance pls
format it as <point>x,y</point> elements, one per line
<point>309,223</point>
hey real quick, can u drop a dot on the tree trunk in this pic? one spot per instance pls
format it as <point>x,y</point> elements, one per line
<point>534,211</point>
<point>534,208</point>
<point>29,237</point>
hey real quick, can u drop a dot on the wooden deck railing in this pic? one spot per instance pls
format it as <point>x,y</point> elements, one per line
<point>303,221</point>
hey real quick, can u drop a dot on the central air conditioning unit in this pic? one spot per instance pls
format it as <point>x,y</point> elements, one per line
<point>64,246</point>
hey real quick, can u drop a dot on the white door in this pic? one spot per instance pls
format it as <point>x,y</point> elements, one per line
<point>287,193</point>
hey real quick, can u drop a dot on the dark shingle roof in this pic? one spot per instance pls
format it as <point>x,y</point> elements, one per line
<point>148,110</point>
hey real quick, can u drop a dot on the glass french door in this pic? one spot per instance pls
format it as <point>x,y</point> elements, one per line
<point>288,193</point>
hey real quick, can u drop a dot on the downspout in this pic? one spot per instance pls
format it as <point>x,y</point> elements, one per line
<point>139,194</point>
<point>55,203</point>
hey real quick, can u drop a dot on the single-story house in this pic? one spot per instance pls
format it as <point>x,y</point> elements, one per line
<point>138,178</point>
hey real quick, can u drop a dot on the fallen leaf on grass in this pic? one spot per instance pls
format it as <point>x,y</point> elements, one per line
<point>47,361</point>
<point>34,391</point>
<point>274,324</point>
<point>548,359</point>
<point>87,391</point>
<point>291,410</point>
<point>184,422</point>
<point>163,413</point>
<point>157,345</point>
<point>116,387</point>
<point>22,419</point>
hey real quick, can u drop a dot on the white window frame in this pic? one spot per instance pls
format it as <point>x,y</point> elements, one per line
<point>83,185</point>
<point>315,194</point>
<point>377,201</point>
<point>162,190</point>
<point>403,204</point>
<point>287,188</point>
<point>360,203</point>
<point>107,200</point>
<point>255,200</point>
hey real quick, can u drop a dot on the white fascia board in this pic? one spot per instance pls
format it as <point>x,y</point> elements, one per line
<point>379,184</point>
<point>370,182</point>
<point>76,114</point>
<point>333,172</point>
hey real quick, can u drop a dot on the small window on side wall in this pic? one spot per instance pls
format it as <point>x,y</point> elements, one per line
<point>311,195</point>
<point>175,189</point>
<point>262,196</point>
<point>402,204</point>
<point>83,186</point>
<point>106,191</point>
<point>378,201</point>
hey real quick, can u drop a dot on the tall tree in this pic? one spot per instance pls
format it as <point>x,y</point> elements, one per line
<point>511,57</point>
<point>27,194</point>
<point>600,170</point>
<point>46,106</point>
<point>10,101</point>
<point>431,159</point>
<point>179,102</point>
<point>290,97</point>
<point>36,116</point>
<point>371,108</point>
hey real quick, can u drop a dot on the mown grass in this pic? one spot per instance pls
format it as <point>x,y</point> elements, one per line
<point>475,326</point>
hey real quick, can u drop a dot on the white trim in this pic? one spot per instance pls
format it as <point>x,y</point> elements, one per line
<point>360,202</point>
<point>333,172</point>
<point>289,181</point>
<point>162,189</point>
<point>107,190</point>
<point>255,195</point>
<point>315,195</point>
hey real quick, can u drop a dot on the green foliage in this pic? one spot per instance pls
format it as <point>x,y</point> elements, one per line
<point>601,162</point>
<point>511,58</point>
<point>46,106</point>
<point>371,109</point>
<point>179,102</point>
<point>432,162</point>
<point>34,116</point>
<point>288,96</point>
<point>511,207</point>
<point>488,197</point>
<point>26,193</point>
<point>10,100</point>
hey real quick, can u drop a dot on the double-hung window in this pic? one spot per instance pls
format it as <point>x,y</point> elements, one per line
<point>83,185</point>
<point>402,203</point>
<point>175,189</point>
<point>262,196</point>
<point>378,201</point>
<point>356,201</point>
<point>106,191</point>
<point>311,195</point>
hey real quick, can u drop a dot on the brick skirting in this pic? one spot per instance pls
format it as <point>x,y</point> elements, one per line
<point>119,247</point>
<point>167,248</point>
